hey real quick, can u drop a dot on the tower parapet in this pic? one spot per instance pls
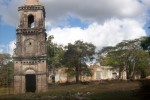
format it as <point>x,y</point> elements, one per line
<point>32,2</point>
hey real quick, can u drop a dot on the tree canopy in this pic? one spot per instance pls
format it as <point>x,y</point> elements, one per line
<point>127,56</point>
<point>145,42</point>
<point>55,53</point>
<point>76,56</point>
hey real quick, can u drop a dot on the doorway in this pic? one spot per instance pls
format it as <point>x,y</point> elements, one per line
<point>30,82</point>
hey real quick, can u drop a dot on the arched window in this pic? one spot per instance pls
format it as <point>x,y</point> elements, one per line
<point>31,21</point>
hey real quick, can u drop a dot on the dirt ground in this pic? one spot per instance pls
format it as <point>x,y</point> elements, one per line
<point>100,90</point>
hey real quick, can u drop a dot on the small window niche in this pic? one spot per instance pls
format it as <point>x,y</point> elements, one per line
<point>31,22</point>
<point>29,43</point>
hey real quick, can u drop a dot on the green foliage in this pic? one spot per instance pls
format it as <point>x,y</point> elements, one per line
<point>4,58</point>
<point>6,70</point>
<point>55,53</point>
<point>106,61</point>
<point>145,42</point>
<point>127,55</point>
<point>86,71</point>
<point>77,55</point>
<point>70,72</point>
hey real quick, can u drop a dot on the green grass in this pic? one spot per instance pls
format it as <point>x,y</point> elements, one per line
<point>5,91</point>
<point>93,91</point>
<point>116,95</point>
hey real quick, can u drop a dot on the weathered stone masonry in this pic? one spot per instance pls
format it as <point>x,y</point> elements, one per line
<point>30,66</point>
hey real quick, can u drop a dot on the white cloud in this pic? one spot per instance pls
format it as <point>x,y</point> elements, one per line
<point>89,10</point>
<point>11,47</point>
<point>108,34</point>
<point>111,20</point>
<point>1,50</point>
<point>95,10</point>
<point>9,11</point>
<point>146,2</point>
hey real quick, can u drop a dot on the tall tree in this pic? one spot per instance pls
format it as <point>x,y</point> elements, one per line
<point>55,53</point>
<point>127,56</point>
<point>77,55</point>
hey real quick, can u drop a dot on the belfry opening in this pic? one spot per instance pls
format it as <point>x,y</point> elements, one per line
<point>31,21</point>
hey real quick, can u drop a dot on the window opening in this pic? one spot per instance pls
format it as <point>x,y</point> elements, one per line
<point>31,21</point>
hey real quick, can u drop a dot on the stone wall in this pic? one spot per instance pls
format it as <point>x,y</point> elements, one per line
<point>23,68</point>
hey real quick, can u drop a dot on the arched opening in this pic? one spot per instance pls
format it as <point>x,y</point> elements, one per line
<point>31,21</point>
<point>30,80</point>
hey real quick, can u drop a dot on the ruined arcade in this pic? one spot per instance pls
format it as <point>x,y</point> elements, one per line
<point>30,67</point>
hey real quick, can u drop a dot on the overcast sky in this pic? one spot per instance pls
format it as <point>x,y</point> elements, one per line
<point>101,22</point>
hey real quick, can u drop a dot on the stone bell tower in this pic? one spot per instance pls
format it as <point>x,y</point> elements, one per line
<point>30,67</point>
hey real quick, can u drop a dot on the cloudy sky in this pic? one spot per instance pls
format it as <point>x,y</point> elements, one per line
<point>101,22</point>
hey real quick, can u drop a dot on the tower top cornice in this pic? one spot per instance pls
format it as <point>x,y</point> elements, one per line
<point>32,2</point>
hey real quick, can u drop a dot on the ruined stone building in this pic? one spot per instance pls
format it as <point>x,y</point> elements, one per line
<point>30,67</point>
<point>98,73</point>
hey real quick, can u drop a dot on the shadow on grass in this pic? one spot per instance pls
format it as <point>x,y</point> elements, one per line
<point>144,92</point>
<point>118,95</point>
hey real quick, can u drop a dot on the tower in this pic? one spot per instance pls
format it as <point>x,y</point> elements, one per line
<point>30,67</point>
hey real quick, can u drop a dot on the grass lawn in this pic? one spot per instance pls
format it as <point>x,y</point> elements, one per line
<point>5,91</point>
<point>92,91</point>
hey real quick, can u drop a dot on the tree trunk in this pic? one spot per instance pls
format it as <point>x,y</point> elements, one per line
<point>121,70</point>
<point>77,74</point>
<point>132,72</point>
